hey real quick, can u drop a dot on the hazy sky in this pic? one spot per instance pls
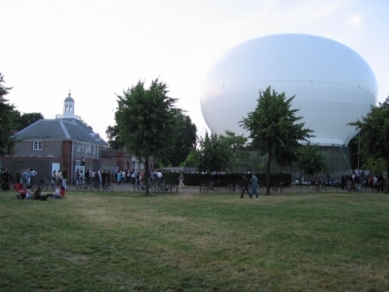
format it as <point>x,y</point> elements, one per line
<point>99,48</point>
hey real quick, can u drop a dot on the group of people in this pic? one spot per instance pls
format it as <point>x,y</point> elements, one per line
<point>355,180</point>
<point>37,194</point>
<point>27,176</point>
<point>254,186</point>
<point>59,178</point>
<point>137,177</point>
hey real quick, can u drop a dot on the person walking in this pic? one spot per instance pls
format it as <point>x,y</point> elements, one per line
<point>181,180</point>
<point>245,184</point>
<point>254,184</point>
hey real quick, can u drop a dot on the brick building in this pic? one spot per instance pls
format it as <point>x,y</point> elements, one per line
<point>64,142</point>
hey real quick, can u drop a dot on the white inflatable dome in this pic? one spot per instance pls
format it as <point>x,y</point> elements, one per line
<point>332,84</point>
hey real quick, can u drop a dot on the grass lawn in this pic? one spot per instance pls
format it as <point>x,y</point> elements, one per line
<point>202,242</point>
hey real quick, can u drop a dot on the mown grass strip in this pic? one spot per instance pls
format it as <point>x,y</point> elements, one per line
<point>130,242</point>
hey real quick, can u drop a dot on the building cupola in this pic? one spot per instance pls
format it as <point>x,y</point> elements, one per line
<point>68,107</point>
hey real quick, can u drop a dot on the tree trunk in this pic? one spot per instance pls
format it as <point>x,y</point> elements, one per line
<point>387,174</point>
<point>268,174</point>
<point>147,175</point>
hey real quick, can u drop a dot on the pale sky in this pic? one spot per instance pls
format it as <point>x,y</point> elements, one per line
<point>99,48</point>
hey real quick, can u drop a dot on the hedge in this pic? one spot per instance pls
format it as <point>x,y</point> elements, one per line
<point>195,179</point>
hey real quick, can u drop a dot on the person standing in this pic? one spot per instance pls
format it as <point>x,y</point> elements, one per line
<point>108,178</point>
<point>159,176</point>
<point>118,177</point>
<point>245,184</point>
<point>59,178</point>
<point>104,178</point>
<point>133,176</point>
<point>33,174</point>
<point>26,177</point>
<point>181,180</point>
<point>64,178</point>
<point>87,175</point>
<point>54,178</point>
<point>298,181</point>
<point>78,177</point>
<point>254,184</point>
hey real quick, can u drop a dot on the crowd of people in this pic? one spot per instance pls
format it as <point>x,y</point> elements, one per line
<point>105,177</point>
<point>29,177</point>
<point>352,181</point>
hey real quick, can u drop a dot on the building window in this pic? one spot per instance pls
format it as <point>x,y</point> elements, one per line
<point>77,146</point>
<point>37,145</point>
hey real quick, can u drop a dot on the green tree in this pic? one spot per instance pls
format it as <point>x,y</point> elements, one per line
<point>310,161</point>
<point>212,155</point>
<point>274,130</point>
<point>6,119</point>
<point>113,138</point>
<point>374,166</point>
<point>193,158</point>
<point>145,120</point>
<point>239,154</point>
<point>184,140</point>
<point>374,133</point>
<point>24,120</point>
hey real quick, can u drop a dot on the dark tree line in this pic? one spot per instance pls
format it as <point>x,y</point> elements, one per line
<point>11,120</point>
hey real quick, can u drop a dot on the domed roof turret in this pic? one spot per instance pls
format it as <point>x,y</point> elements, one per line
<point>69,98</point>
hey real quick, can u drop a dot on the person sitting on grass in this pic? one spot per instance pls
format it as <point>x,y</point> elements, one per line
<point>62,192</point>
<point>59,193</point>
<point>37,194</point>
<point>28,192</point>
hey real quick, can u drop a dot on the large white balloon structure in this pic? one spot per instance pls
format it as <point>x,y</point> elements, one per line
<point>332,84</point>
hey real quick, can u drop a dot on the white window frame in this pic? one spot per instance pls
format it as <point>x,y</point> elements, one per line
<point>37,145</point>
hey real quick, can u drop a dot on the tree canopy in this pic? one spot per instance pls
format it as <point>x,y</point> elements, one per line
<point>309,159</point>
<point>6,119</point>
<point>239,153</point>
<point>23,120</point>
<point>114,138</point>
<point>374,133</point>
<point>274,129</point>
<point>184,140</point>
<point>212,153</point>
<point>145,121</point>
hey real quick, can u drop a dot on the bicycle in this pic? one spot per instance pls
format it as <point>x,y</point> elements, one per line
<point>163,187</point>
<point>204,188</point>
<point>44,185</point>
<point>108,188</point>
<point>83,186</point>
<point>318,188</point>
<point>232,188</point>
<point>139,188</point>
<point>277,187</point>
<point>94,187</point>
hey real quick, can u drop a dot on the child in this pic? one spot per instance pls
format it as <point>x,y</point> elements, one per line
<point>59,193</point>
<point>28,193</point>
